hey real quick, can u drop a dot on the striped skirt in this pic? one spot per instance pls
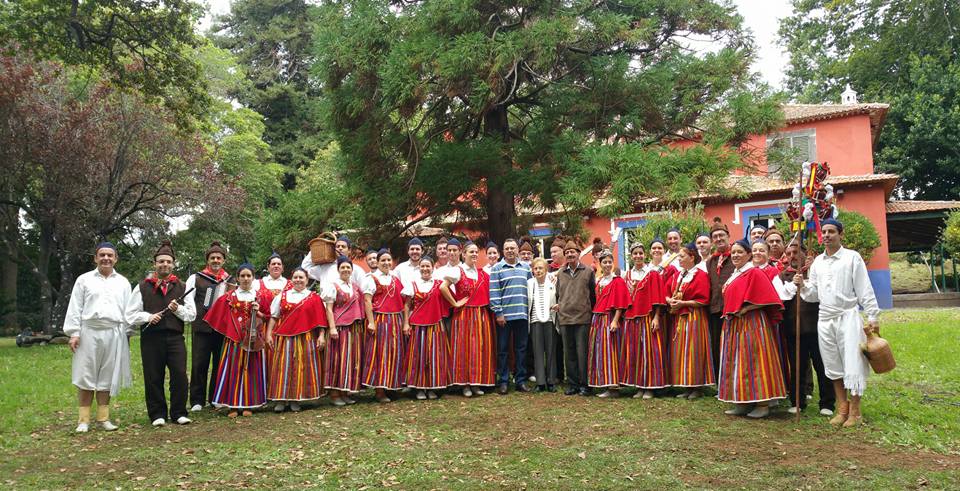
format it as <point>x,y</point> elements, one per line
<point>294,368</point>
<point>691,362</point>
<point>602,353</point>
<point>750,369</point>
<point>641,354</point>
<point>473,347</point>
<point>383,353</point>
<point>241,378</point>
<point>428,358</point>
<point>344,358</point>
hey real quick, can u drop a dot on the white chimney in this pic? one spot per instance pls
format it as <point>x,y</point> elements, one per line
<point>849,96</point>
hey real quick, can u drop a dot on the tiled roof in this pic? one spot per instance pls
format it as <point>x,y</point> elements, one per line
<point>805,113</point>
<point>911,206</point>
<point>765,184</point>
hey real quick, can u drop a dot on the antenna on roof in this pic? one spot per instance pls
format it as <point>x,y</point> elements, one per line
<point>849,96</point>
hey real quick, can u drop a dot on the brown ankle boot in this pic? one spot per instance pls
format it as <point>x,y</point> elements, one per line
<point>841,417</point>
<point>853,421</point>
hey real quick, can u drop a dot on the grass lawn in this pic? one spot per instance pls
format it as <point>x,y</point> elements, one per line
<point>912,439</point>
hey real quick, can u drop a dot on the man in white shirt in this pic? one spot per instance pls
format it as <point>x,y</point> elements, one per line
<point>327,273</point>
<point>674,239</point>
<point>838,280</point>
<point>97,327</point>
<point>409,270</point>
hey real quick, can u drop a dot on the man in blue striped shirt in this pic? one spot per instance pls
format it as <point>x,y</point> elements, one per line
<point>508,301</point>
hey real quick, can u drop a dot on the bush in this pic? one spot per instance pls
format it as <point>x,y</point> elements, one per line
<point>859,234</point>
<point>689,220</point>
<point>951,233</point>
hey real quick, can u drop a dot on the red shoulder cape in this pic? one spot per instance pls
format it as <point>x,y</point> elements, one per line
<point>698,289</point>
<point>646,294</point>
<point>752,288</point>
<point>231,317</point>
<point>299,318</point>
<point>615,295</point>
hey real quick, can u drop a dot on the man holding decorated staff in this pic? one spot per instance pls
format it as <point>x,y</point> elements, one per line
<point>809,347</point>
<point>206,344</point>
<point>153,307</point>
<point>96,324</point>
<point>838,280</point>
<point>719,269</point>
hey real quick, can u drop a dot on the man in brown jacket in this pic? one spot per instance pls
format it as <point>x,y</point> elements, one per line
<point>575,299</point>
<point>719,269</point>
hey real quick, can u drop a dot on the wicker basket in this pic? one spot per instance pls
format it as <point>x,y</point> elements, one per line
<point>322,250</point>
<point>878,353</point>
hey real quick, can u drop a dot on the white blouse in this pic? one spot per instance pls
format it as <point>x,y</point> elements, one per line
<point>329,291</point>
<point>422,286</point>
<point>369,287</point>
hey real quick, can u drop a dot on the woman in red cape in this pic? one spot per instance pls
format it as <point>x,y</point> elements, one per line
<point>641,349</point>
<point>294,372</point>
<point>242,374</point>
<point>688,295</point>
<point>603,368</point>
<point>750,368</point>
<point>344,304</point>
<point>473,344</point>
<point>428,353</point>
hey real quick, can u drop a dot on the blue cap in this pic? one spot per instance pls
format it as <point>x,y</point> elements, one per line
<point>273,256</point>
<point>493,244</point>
<point>415,242</point>
<point>344,238</point>
<point>702,234</point>
<point>382,251</point>
<point>343,259</point>
<point>834,222</point>
<point>657,239</point>
<point>453,242</point>
<point>246,266</point>
<point>106,245</point>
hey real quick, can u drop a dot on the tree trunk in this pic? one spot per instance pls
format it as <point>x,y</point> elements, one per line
<point>501,212</point>
<point>45,252</point>
<point>9,267</point>
<point>68,276</point>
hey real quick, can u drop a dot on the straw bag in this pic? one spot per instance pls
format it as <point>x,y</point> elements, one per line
<point>322,249</point>
<point>878,353</point>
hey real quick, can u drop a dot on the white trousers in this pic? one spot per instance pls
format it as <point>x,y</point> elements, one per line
<point>840,335</point>
<point>102,360</point>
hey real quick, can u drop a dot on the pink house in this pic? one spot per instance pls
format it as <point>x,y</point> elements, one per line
<point>842,135</point>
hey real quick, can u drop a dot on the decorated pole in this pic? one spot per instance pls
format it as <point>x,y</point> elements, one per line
<point>813,202</point>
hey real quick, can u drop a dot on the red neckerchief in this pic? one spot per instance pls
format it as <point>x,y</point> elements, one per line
<point>162,285</point>
<point>220,275</point>
<point>721,256</point>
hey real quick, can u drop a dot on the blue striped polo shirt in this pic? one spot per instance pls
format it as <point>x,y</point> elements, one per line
<point>508,290</point>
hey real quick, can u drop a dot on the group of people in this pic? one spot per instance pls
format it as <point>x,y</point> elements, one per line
<point>711,313</point>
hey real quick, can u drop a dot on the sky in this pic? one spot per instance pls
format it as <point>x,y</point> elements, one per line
<point>762,17</point>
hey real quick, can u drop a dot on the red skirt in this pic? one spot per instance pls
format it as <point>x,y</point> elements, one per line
<point>473,347</point>
<point>641,354</point>
<point>428,358</point>
<point>344,358</point>
<point>750,369</point>
<point>602,353</point>
<point>691,362</point>
<point>384,353</point>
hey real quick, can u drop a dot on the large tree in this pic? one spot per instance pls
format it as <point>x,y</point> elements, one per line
<point>146,45</point>
<point>904,52</point>
<point>480,110</point>
<point>84,162</point>
<point>273,41</point>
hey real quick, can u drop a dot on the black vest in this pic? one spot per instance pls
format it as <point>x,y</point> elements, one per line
<point>203,283</point>
<point>154,301</point>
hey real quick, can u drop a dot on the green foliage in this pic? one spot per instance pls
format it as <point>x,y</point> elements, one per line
<point>951,233</point>
<point>272,40</point>
<point>477,110</point>
<point>143,44</point>
<point>859,234</point>
<point>904,52</point>
<point>688,219</point>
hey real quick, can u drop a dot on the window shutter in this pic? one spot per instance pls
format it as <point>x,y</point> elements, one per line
<point>802,145</point>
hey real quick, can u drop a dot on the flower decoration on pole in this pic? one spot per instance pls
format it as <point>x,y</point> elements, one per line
<point>813,201</point>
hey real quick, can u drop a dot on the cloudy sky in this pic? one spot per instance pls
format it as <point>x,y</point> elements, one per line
<point>761,16</point>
